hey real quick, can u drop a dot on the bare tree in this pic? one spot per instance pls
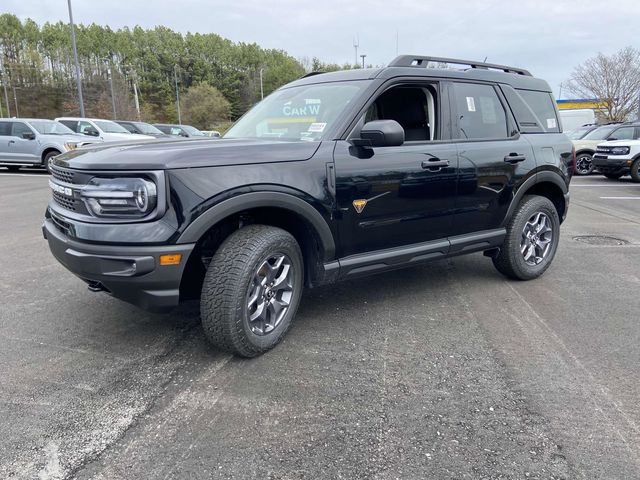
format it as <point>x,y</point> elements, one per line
<point>615,79</point>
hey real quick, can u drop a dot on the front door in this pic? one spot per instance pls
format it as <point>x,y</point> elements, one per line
<point>23,149</point>
<point>396,196</point>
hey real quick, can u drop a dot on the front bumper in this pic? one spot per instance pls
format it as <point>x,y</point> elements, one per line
<point>130,273</point>
<point>612,163</point>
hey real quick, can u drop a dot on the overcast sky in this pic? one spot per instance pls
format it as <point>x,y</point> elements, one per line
<point>547,37</point>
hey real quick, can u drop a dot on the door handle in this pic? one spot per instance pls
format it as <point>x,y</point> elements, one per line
<point>11,141</point>
<point>514,158</point>
<point>434,164</point>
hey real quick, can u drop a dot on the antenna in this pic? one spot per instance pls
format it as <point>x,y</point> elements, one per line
<point>356,44</point>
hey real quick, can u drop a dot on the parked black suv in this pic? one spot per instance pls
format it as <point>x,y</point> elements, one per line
<point>333,176</point>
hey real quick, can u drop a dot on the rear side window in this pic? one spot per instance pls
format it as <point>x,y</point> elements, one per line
<point>543,106</point>
<point>5,128</point>
<point>72,124</point>
<point>480,112</point>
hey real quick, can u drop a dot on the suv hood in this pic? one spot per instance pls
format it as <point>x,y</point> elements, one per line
<point>165,154</point>
<point>619,143</point>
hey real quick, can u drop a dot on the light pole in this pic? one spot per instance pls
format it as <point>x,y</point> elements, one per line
<point>75,58</point>
<point>261,86</point>
<point>6,95</point>
<point>175,76</point>
<point>15,100</point>
<point>113,98</point>
<point>362,57</point>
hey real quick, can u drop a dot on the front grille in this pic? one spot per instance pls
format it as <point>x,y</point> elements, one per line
<point>64,201</point>
<point>603,149</point>
<point>62,174</point>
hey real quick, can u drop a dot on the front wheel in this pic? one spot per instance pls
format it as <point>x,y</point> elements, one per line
<point>531,241</point>
<point>584,164</point>
<point>47,159</point>
<point>635,171</point>
<point>251,290</point>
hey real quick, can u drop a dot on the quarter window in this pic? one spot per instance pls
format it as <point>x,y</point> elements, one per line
<point>480,112</point>
<point>542,104</point>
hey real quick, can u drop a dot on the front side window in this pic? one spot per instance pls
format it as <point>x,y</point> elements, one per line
<point>412,106</point>
<point>18,128</point>
<point>129,127</point>
<point>176,131</point>
<point>85,127</point>
<point>480,112</point>
<point>305,112</point>
<point>622,133</point>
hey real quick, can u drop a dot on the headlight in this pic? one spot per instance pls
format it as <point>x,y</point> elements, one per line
<point>620,150</point>
<point>120,197</point>
<point>70,145</point>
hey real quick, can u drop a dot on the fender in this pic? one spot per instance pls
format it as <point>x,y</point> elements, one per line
<point>218,212</point>
<point>540,177</point>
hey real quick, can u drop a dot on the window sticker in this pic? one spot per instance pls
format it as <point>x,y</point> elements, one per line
<point>317,127</point>
<point>551,123</point>
<point>471,104</point>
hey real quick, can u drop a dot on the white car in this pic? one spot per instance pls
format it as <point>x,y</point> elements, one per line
<point>619,157</point>
<point>105,130</point>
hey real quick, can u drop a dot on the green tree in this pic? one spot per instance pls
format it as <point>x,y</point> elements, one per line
<point>204,106</point>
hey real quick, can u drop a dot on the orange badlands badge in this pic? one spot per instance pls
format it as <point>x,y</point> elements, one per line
<point>359,204</point>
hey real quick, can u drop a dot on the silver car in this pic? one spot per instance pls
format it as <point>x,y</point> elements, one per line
<point>33,142</point>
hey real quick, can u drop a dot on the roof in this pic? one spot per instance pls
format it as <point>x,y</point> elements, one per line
<point>415,65</point>
<point>85,118</point>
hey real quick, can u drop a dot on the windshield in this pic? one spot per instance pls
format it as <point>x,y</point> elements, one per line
<point>50,127</point>
<point>194,132</point>
<point>110,127</point>
<point>149,129</point>
<point>578,133</point>
<point>297,113</point>
<point>600,133</point>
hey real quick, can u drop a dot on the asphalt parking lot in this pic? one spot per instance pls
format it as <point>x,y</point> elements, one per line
<point>441,371</point>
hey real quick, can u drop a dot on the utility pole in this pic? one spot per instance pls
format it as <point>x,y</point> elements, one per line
<point>175,76</point>
<point>75,58</point>
<point>4,85</point>
<point>363,56</point>
<point>15,100</point>
<point>113,98</point>
<point>261,86</point>
<point>560,92</point>
<point>135,97</point>
<point>356,44</point>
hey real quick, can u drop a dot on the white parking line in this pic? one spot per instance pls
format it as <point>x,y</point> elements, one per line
<point>620,198</point>
<point>40,175</point>
<point>573,185</point>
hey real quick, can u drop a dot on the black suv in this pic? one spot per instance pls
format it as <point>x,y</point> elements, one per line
<point>333,176</point>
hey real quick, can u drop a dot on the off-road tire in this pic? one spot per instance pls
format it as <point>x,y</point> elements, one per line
<point>613,176</point>
<point>223,304</point>
<point>635,171</point>
<point>510,261</point>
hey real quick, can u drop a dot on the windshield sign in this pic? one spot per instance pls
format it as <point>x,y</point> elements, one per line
<point>298,113</point>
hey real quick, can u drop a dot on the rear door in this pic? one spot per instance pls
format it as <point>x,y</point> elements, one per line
<point>5,138</point>
<point>492,156</point>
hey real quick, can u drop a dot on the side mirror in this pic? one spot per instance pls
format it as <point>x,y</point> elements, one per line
<point>611,139</point>
<point>383,133</point>
<point>92,132</point>
<point>28,135</point>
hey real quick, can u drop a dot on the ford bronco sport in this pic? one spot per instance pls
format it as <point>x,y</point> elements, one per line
<point>333,176</point>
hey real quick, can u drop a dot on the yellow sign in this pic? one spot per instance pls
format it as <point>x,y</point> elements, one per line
<point>359,204</point>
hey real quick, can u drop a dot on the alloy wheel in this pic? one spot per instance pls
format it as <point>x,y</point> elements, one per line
<point>537,239</point>
<point>270,293</point>
<point>584,164</point>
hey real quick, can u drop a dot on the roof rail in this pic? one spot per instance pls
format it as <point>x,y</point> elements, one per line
<point>311,74</point>
<point>420,61</point>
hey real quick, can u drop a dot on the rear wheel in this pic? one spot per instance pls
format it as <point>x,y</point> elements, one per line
<point>251,290</point>
<point>531,240</point>
<point>635,171</point>
<point>584,164</point>
<point>613,176</point>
